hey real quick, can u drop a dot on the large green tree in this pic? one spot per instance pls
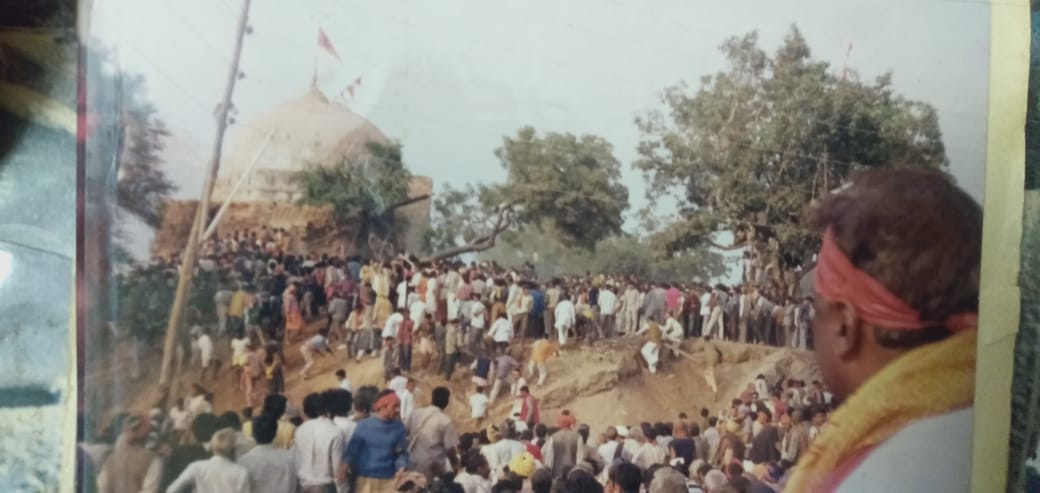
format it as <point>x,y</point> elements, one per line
<point>561,184</point>
<point>749,147</point>
<point>624,255</point>
<point>363,192</point>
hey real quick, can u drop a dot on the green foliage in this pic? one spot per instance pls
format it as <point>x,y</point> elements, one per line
<point>568,185</point>
<point>623,255</point>
<point>755,144</point>
<point>365,188</point>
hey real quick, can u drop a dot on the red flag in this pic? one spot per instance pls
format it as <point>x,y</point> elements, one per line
<point>353,86</point>
<point>325,44</point>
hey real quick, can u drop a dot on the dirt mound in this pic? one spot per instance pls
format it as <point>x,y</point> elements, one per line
<point>602,384</point>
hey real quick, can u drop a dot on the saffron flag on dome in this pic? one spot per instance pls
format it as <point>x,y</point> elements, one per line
<point>326,44</point>
<point>351,88</point>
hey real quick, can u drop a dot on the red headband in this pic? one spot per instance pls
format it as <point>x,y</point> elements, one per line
<point>566,420</point>
<point>387,401</point>
<point>837,280</point>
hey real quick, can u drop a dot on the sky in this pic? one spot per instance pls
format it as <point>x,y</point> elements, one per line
<point>451,78</point>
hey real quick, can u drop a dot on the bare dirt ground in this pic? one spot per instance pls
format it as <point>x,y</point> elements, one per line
<point>601,383</point>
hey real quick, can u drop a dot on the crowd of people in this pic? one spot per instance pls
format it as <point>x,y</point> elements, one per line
<point>372,440</point>
<point>897,354</point>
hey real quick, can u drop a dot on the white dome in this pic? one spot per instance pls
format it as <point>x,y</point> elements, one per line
<point>307,130</point>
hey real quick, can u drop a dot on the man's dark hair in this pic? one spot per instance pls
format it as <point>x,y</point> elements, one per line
<point>313,405</point>
<point>204,426</point>
<point>764,410</point>
<point>683,416</point>
<point>466,442</point>
<point>230,420</point>
<point>740,484</point>
<point>341,373</point>
<point>339,402</point>
<point>265,428</point>
<point>542,481</point>
<point>734,469</point>
<point>365,398</point>
<point>441,397</point>
<point>274,405</point>
<point>474,460</point>
<point>712,421</point>
<point>540,430</point>
<point>627,476</point>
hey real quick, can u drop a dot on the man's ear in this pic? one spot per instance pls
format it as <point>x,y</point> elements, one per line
<point>848,339</point>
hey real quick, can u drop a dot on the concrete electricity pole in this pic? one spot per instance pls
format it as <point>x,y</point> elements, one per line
<point>190,259</point>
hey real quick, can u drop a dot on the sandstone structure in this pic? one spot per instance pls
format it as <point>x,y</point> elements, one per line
<point>304,131</point>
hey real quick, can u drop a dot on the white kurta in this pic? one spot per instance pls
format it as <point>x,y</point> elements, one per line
<point>942,442</point>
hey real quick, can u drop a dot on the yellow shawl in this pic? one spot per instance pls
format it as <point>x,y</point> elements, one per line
<point>928,381</point>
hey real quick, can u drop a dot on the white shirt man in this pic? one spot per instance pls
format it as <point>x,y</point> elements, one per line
<point>431,295</point>
<point>398,384</point>
<point>501,331</point>
<point>500,453</point>
<point>417,312</point>
<point>672,330</point>
<point>402,295</point>
<point>317,452</point>
<point>631,300</point>
<point>345,384</point>
<point>476,314</point>
<point>205,349</point>
<point>607,302</point>
<point>706,305</point>
<point>407,402</point>
<point>393,324</point>
<point>565,318</point>
<point>478,404</point>
<point>270,469</point>
<point>218,474</point>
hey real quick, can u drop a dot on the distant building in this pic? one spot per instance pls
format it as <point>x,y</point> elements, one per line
<point>306,130</point>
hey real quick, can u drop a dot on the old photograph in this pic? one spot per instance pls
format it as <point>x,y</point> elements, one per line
<point>541,246</point>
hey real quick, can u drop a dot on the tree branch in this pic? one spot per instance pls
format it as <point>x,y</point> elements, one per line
<point>506,215</point>
<point>734,246</point>
<point>409,201</point>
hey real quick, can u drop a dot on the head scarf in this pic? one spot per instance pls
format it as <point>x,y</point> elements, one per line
<point>386,401</point>
<point>522,465</point>
<point>837,280</point>
<point>566,420</point>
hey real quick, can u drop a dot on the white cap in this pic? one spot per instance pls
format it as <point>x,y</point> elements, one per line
<point>622,431</point>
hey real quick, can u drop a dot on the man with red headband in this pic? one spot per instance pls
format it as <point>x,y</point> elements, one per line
<point>565,448</point>
<point>895,292</point>
<point>378,450</point>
